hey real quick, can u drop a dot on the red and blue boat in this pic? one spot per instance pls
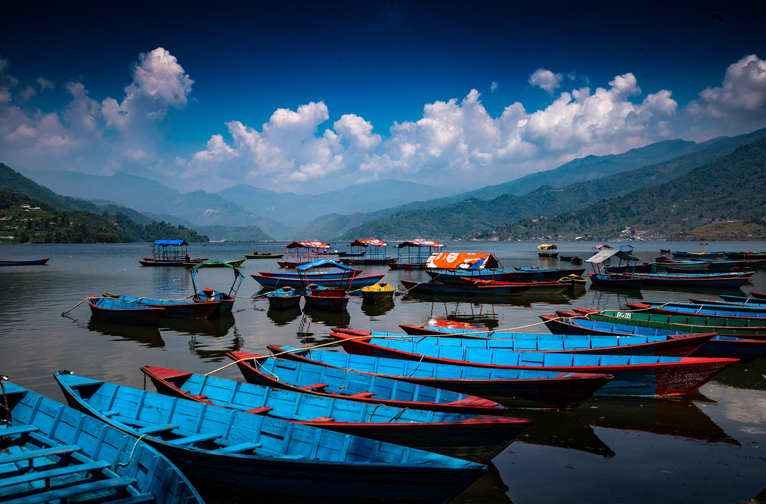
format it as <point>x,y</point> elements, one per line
<point>283,299</point>
<point>170,253</point>
<point>224,302</point>
<point>301,252</point>
<point>331,382</point>
<point>368,252</point>
<point>711,311</point>
<point>483,289</point>
<point>478,438</point>
<point>268,457</point>
<point>347,277</point>
<point>114,310</point>
<point>675,345</point>
<point>716,280</point>
<point>634,375</point>
<point>730,347</point>
<point>546,390</point>
<point>326,298</point>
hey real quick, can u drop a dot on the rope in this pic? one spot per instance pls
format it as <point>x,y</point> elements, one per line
<point>395,417</point>
<point>130,457</point>
<point>64,314</point>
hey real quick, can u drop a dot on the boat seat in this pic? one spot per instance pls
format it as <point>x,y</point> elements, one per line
<point>363,395</point>
<point>33,454</point>
<point>259,411</point>
<point>315,386</point>
<point>54,473</point>
<point>15,431</point>
<point>72,491</point>
<point>110,413</point>
<point>322,419</point>
<point>153,429</point>
<point>195,438</point>
<point>237,448</point>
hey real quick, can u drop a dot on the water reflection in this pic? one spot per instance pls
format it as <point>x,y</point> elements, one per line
<point>209,327</point>
<point>146,336</point>
<point>669,417</point>
<point>750,376</point>
<point>169,283</point>
<point>328,318</point>
<point>379,308</point>
<point>211,351</point>
<point>562,430</point>
<point>489,489</point>
<point>284,317</point>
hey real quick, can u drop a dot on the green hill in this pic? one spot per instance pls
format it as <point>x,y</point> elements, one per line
<point>729,190</point>
<point>475,215</point>
<point>72,220</point>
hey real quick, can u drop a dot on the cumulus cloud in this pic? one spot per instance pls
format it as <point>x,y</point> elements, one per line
<point>740,100</point>
<point>44,84</point>
<point>546,80</point>
<point>494,86</point>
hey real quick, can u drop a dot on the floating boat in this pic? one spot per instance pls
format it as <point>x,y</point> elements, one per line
<point>673,345</point>
<point>283,299</point>
<point>380,292</point>
<point>329,382</point>
<point>113,310</point>
<point>369,252</point>
<point>745,255</point>
<point>607,276</point>
<point>28,262</point>
<point>634,375</point>
<point>509,387</point>
<point>713,312</point>
<point>263,255</point>
<point>546,250</point>
<point>758,295</point>
<point>170,253</point>
<point>216,264</point>
<point>416,260</point>
<point>471,437</point>
<point>278,460</point>
<point>700,255</point>
<point>540,273</point>
<point>480,289</point>
<point>179,309</point>
<point>664,251</point>
<point>746,350</point>
<point>718,280</point>
<point>556,287</point>
<point>573,281</point>
<point>53,453</point>
<point>681,323</point>
<point>743,299</point>
<point>224,302</point>
<point>302,252</point>
<point>345,278</point>
<point>326,298</point>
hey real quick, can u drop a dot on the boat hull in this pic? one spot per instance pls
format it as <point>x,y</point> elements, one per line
<point>298,283</point>
<point>144,316</point>
<point>31,262</point>
<point>176,309</point>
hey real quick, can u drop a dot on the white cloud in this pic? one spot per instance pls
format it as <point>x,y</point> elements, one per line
<point>44,84</point>
<point>740,102</point>
<point>494,86</point>
<point>25,94</point>
<point>546,80</point>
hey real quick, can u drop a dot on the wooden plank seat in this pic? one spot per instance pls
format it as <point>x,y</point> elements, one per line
<point>72,491</point>
<point>238,448</point>
<point>195,438</point>
<point>363,394</point>
<point>110,413</point>
<point>316,386</point>
<point>259,411</point>
<point>154,429</point>
<point>33,454</point>
<point>54,473</point>
<point>15,431</point>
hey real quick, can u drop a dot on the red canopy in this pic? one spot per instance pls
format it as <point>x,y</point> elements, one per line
<point>374,242</point>
<point>420,243</point>
<point>307,244</point>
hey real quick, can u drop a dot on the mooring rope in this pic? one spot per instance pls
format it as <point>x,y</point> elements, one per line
<point>64,314</point>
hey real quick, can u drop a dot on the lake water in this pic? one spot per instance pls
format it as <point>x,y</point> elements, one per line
<point>708,448</point>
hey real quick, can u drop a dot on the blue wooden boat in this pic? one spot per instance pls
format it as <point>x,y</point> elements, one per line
<point>713,311</point>
<point>53,453</point>
<point>613,277</point>
<point>676,345</point>
<point>471,437</point>
<point>327,382</point>
<point>268,457</point>
<point>482,289</point>
<point>224,302</point>
<point>298,283</point>
<point>542,273</point>
<point>509,387</point>
<point>634,375</point>
<point>114,310</point>
<point>179,309</point>
<point>730,347</point>
<point>283,299</point>
<point>717,280</point>
<point>716,304</point>
<point>743,299</point>
<point>699,255</point>
<point>614,280</point>
<point>28,262</point>
<point>326,298</point>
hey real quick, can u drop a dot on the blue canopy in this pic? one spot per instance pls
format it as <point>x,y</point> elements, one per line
<point>323,262</point>
<point>165,243</point>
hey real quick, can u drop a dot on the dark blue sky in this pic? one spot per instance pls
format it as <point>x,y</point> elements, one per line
<point>381,61</point>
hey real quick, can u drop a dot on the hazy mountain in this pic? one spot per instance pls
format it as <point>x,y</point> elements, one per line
<point>297,209</point>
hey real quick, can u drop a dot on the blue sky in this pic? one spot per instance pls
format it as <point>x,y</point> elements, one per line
<point>309,97</point>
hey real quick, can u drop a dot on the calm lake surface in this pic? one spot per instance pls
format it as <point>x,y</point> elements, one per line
<point>709,448</point>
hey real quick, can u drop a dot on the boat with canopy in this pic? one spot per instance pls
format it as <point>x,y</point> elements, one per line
<point>301,252</point>
<point>418,251</point>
